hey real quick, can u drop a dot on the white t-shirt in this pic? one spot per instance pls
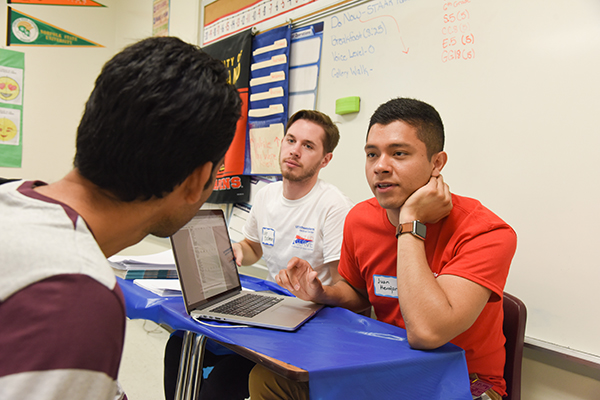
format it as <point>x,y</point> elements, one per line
<point>310,228</point>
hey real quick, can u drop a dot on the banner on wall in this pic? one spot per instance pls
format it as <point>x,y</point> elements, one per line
<point>74,3</point>
<point>25,30</point>
<point>234,52</point>
<point>12,66</point>
<point>231,189</point>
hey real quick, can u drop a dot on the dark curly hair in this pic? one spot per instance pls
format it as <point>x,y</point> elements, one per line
<point>159,109</point>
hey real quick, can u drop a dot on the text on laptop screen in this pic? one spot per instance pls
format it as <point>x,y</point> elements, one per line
<point>205,258</point>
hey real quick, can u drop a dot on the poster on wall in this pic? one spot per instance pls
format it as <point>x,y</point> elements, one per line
<point>160,18</point>
<point>25,30</point>
<point>12,65</point>
<point>74,3</point>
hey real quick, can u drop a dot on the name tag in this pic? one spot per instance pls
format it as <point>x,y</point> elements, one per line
<point>268,237</point>
<point>385,286</point>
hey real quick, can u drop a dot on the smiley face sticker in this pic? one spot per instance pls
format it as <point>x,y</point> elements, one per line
<point>9,88</point>
<point>8,130</point>
<point>11,85</point>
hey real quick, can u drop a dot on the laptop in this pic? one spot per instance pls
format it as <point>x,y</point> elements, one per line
<point>210,280</point>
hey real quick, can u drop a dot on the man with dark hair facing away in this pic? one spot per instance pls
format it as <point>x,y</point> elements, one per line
<point>152,137</point>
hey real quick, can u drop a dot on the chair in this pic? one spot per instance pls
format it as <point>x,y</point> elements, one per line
<point>6,180</point>
<point>515,317</point>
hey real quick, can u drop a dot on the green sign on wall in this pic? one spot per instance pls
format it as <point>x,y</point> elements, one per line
<point>12,65</point>
<point>25,30</point>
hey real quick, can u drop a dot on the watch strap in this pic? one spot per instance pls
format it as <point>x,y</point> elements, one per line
<point>416,228</point>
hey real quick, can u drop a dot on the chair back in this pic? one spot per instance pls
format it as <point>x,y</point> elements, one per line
<point>515,317</point>
<point>6,180</point>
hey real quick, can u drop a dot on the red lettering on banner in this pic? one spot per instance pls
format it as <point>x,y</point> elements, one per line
<point>234,182</point>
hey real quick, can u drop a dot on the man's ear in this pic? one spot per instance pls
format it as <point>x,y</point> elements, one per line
<point>438,160</point>
<point>326,159</point>
<point>195,183</point>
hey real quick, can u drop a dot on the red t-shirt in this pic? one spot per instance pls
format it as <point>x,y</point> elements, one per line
<point>472,242</point>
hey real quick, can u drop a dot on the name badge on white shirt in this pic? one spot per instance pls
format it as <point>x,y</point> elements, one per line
<point>385,286</point>
<point>268,236</point>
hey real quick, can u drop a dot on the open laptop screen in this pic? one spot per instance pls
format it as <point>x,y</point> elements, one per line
<point>205,259</point>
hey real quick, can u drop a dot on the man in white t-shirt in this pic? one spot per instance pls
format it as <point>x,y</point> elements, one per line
<point>302,215</point>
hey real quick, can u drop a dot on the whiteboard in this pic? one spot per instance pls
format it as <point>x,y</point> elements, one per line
<point>517,86</point>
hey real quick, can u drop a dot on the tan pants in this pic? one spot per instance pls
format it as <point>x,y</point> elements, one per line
<point>267,385</point>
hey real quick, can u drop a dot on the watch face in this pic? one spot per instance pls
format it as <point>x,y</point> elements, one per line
<point>420,229</point>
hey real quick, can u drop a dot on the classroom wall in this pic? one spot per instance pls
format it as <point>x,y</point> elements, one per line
<point>56,84</point>
<point>59,80</point>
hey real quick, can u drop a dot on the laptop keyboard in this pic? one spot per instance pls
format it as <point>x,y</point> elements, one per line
<point>247,305</point>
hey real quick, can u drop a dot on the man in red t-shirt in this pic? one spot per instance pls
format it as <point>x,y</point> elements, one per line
<point>429,261</point>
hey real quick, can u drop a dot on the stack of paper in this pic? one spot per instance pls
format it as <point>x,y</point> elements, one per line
<point>162,287</point>
<point>152,266</point>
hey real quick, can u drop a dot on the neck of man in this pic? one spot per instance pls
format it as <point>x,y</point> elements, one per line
<point>295,190</point>
<point>393,215</point>
<point>115,224</point>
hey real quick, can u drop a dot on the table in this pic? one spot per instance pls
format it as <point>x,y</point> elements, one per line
<point>346,355</point>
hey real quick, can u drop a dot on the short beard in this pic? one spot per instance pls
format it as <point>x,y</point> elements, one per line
<point>300,178</point>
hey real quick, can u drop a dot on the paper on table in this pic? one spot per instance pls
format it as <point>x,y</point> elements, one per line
<point>162,287</point>
<point>162,260</point>
<point>164,257</point>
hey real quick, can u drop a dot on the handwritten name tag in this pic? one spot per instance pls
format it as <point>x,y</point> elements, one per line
<point>386,286</point>
<point>268,236</point>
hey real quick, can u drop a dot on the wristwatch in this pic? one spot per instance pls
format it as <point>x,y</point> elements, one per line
<point>416,228</point>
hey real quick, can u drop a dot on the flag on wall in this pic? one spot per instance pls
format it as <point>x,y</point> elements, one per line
<point>74,3</point>
<point>12,65</point>
<point>231,186</point>
<point>25,30</point>
<point>235,54</point>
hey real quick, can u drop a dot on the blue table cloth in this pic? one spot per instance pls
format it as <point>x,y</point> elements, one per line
<point>348,356</point>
